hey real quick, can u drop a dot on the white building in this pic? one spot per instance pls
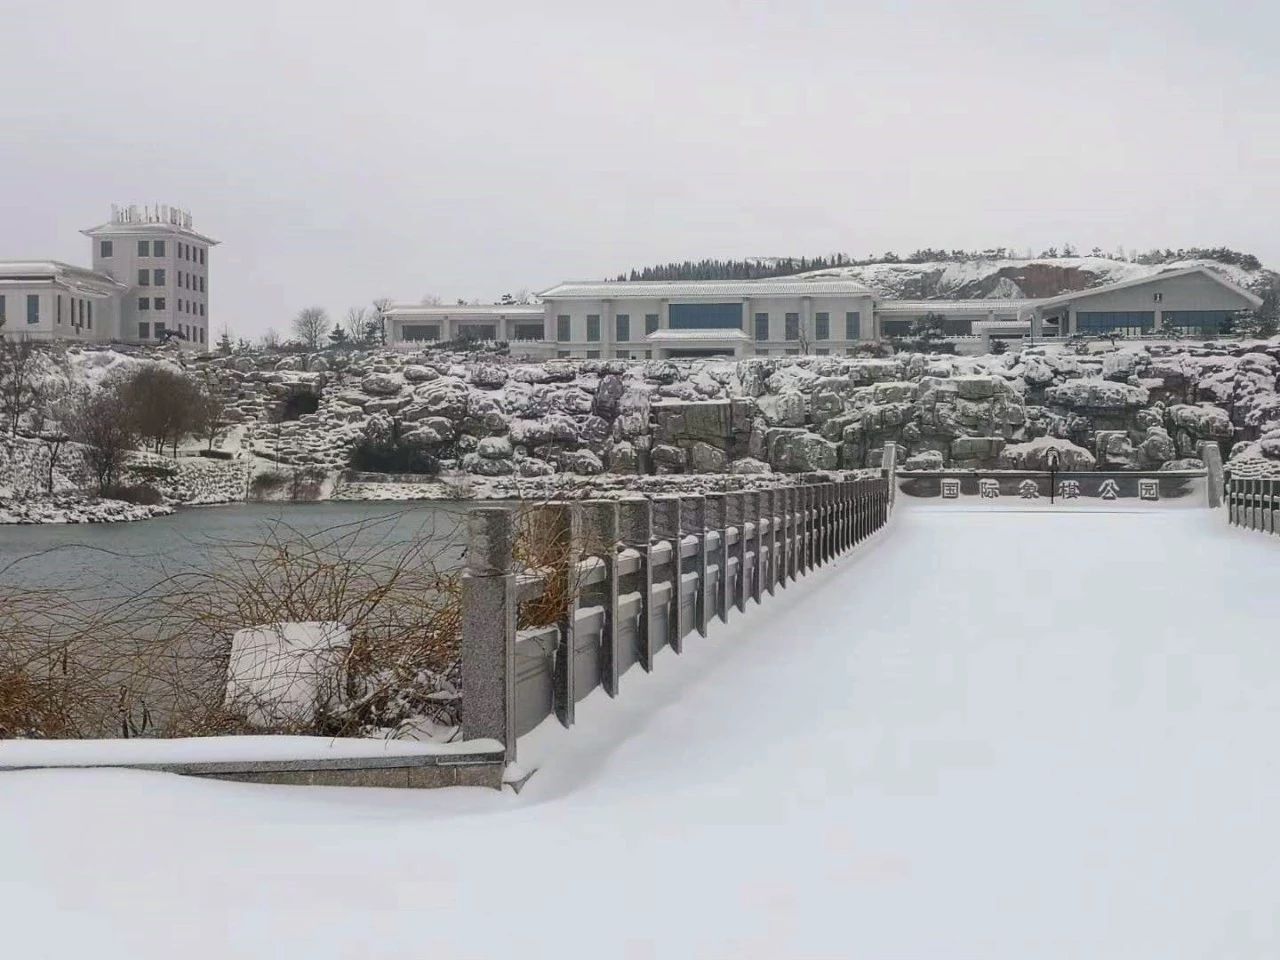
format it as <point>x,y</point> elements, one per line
<point>149,282</point>
<point>740,318</point>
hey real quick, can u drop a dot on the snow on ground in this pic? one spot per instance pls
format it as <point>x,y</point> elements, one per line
<point>983,735</point>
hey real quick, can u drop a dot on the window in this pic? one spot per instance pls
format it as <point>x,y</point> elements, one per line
<point>88,314</point>
<point>58,315</point>
<point>144,303</point>
<point>650,323</point>
<point>157,248</point>
<point>539,328</point>
<point>105,248</point>
<point>2,315</point>
<point>160,303</point>
<point>1158,297</point>
<point>762,326</point>
<point>705,316</point>
<point>593,326</point>
<point>415,331</point>
<point>202,256</point>
<point>524,331</point>
<point>823,351</point>
<point>81,311</point>
<point>853,325</point>
<point>792,352</point>
<point>33,308</point>
<point>144,278</point>
<point>793,326</point>
<point>562,354</point>
<point>623,323</point>
<point>822,326</point>
<point>182,250</point>
<point>1200,322</point>
<point>144,331</point>
<point>159,329</point>
<point>562,327</point>
<point>593,354</point>
<point>144,248</point>
<point>1128,322</point>
<point>201,279</point>
<point>158,278</point>
<point>202,340</point>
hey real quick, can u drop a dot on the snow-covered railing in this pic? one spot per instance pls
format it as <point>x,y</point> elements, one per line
<point>1254,503</point>
<point>644,573</point>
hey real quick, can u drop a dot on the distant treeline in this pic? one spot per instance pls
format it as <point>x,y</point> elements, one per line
<point>760,268</point>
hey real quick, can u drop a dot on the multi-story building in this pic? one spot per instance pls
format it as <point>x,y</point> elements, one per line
<point>149,282</point>
<point>823,315</point>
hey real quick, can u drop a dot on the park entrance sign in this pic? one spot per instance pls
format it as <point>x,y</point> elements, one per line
<point>1055,488</point>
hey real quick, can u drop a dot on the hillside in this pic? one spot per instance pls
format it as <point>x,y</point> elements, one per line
<point>1010,278</point>
<point>939,275</point>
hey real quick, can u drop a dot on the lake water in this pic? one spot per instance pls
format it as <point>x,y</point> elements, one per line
<point>130,566</point>
<point>120,556</point>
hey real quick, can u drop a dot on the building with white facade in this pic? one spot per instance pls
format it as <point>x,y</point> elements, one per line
<point>823,315</point>
<point>149,282</point>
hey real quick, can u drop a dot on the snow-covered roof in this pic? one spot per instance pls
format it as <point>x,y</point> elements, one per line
<point>115,229</point>
<point>953,306</point>
<point>1139,281</point>
<point>736,289</point>
<point>664,336</point>
<point>465,310</point>
<point>14,272</point>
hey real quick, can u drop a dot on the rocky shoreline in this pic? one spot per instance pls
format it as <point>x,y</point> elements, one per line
<point>74,509</point>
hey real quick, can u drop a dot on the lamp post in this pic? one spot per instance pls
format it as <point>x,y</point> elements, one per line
<point>1051,458</point>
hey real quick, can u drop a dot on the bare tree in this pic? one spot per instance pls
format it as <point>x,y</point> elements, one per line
<point>48,422</point>
<point>431,300</point>
<point>356,319</point>
<point>160,404</point>
<point>376,328</point>
<point>311,326</point>
<point>19,381</point>
<point>271,339</point>
<point>99,420</point>
<point>209,416</point>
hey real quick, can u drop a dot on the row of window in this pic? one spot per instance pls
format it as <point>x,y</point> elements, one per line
<point>81,310</point>
<point>155,248</point>
<point>622,326</point>
<point>184,331</point>
<point>158,277</point>
<point>161,303</point>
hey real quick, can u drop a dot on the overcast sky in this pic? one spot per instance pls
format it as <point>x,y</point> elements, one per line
<point>346,151</point>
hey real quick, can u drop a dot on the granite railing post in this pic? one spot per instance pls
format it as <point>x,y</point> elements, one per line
<point>808,510</point>
<point>1211,454</point>
<point>693,523</point>
<point>635,523</point>
<point>666,526</point>
<point>600,534</point>
<point>751,499</point>
<point>889,469</point>
<point>716,521</point>
<point>736,508</point>
<point>793,533</point>
<point>769,501</point>
<point>489,602</point>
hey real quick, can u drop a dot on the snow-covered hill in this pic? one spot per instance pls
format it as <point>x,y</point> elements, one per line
<point>1011,279</point>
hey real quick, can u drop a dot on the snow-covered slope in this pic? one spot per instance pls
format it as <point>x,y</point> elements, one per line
<point>1012,279</point>
<point>915,752</point>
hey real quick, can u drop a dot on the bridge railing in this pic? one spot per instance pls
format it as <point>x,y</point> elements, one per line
<point>1254,503</point>
<point>636,575</point>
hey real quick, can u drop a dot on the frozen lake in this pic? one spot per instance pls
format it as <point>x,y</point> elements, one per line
<point>981,735</point>
<point>123,556</point>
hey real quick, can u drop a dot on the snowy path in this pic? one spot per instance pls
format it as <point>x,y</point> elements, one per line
<point>986,735</point>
